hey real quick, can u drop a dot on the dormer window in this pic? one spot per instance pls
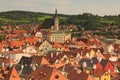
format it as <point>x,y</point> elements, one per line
<point>40,73</point>
<point>71,56</point>
<point>44,74</point>
<point>31,78</point>
<point>14,76</point>
<point>25,64</point>
<point>56,76</point>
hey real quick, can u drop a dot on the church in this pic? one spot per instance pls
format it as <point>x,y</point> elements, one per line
<point>53,33</point>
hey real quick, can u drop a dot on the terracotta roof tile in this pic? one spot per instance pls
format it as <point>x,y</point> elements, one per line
<point>57,45</point>
<point>66,68</point>
<point>76,75</point>
<point>46,73</point>
<point>41,60</point>
<point>99,73</point>
<point>1,76</point>
<point>13,75</point>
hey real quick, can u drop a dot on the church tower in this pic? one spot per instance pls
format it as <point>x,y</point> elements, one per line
<point>56,27</point>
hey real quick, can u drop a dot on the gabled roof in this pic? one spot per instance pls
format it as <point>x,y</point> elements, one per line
<point>109,66</point>
<point>23,70</point>
<point>31,40</point>
<point>6,60</point>
<point>46,73</point>
<point>100,55</point>
<point>3,45</point>
<point>80,43</point>
<point>66,68</point>
<point>76,75</point>
<point>117,78</point>
<point>107,56</point>
<point>53,56</point>
<point>82,39</point>
<point>40,60</point>
<point>26,71</point>
<point>99,73</point>
<point>16,43</point>
<point>25,61</point>
<point>13,74</point>
<point>57,45</point>
<point>21,31</point>
<point>95,60</point>
<point>104,62</point>
<point>12,35</point>
<point>40,43</point>
<point>1,76</point>
<point>88,63</point>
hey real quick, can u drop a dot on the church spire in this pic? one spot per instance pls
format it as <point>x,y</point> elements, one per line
<point>55,12</point>
<point>56,21</point>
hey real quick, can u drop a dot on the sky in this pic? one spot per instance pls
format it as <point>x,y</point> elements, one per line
<point>96,7</point>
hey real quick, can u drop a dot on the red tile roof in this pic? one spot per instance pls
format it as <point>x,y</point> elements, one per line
<point>99,73</point>
<point>13,75</point>
<point>78,75</point>
<point>46,73</point>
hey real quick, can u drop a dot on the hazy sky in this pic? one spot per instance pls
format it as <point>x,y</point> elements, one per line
<point>100,7</point>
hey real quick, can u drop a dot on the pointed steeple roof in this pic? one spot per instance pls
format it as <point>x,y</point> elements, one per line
<point>55,13</point>
<point>13,74</point>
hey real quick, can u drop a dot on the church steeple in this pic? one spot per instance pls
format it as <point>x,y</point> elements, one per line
<point>55,12</point>
<point>56,20</point>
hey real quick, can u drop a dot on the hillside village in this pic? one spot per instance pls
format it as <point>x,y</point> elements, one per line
<point>53,54</point>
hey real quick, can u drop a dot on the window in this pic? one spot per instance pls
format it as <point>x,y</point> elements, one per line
<point>14,76</point>
<point>47,45</point>
<point>44,74</point>
<point>31,78</point>
<point>106,74</point>
<point>56,76</point>
<point>40,73</point>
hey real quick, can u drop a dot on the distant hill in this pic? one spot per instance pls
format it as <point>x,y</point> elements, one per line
<point>11,17</point>
<point>86,20</point>
<point>108,26</point>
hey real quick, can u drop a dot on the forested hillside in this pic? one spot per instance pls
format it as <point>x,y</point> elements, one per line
<point>86,20</point>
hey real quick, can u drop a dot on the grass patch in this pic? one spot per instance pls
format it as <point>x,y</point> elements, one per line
<point>42,18</point>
